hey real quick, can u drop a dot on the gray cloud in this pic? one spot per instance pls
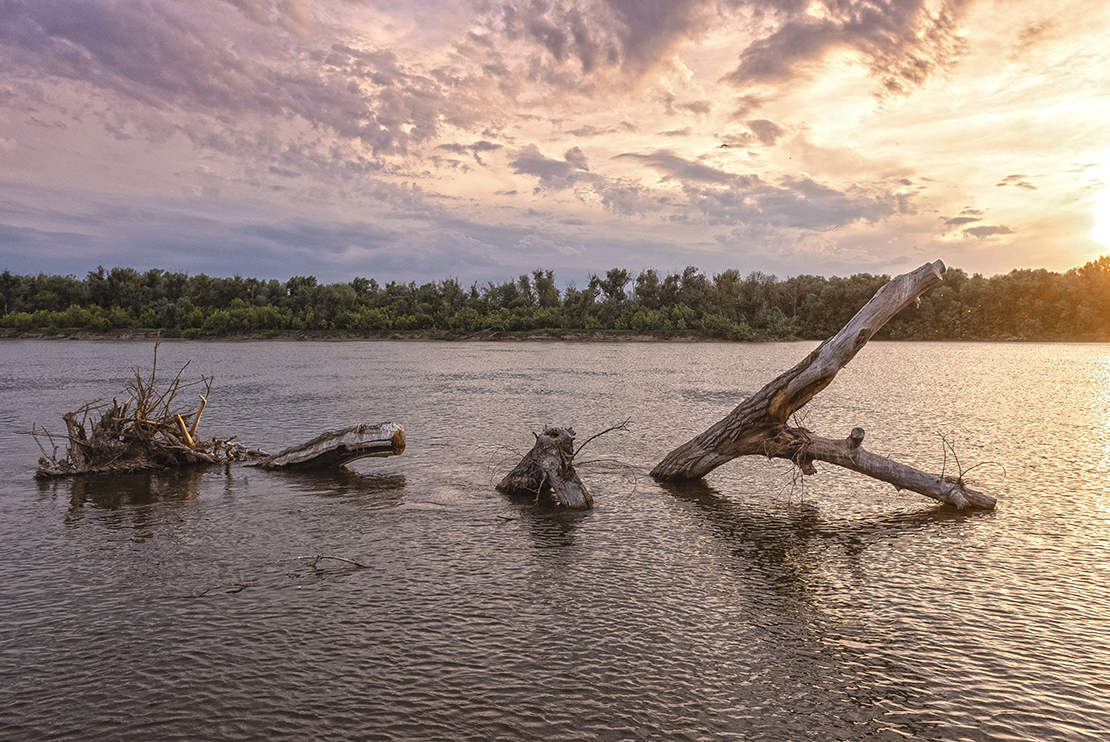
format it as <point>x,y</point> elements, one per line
<point>903,42</point>
<point>596,45</point>
<point>1032,36</point>
<point>767,132</point>
<point>556,174</point>
<point>475,150</point>
<point>678,168</point>
<point>292,15</point>
<point>1018,181</point>
<point>589,131</point>
<point>167,58</point>
<point>796,203</point>
<point>602,35</point>
<point>699,108</point>
<point>985,231</point>
<point>959,221</point>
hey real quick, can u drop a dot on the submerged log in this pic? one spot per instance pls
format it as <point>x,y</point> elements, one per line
<point>548,470</point>
<point>758,426</point>
<point>332,450</point>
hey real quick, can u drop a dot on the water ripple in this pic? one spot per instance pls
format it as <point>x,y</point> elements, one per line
<point>192,605</point>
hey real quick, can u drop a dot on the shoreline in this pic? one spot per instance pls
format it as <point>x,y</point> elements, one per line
<point>550,336</point>
<point>591,336</point>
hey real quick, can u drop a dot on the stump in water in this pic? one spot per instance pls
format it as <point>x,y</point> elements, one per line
<point>548,469</point>
<point>332,450</point>
<point>758,425</point>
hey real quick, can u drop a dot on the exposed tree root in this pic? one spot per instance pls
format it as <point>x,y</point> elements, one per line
<point>146,431</point>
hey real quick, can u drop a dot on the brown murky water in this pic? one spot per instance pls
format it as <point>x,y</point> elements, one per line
<point>185,606</point>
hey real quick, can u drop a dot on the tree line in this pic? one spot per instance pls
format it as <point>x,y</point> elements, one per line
<point>1023,304</point>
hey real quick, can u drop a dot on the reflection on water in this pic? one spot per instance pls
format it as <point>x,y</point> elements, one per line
<point>344,483</point>
<point>195,603</point>
<point>549,528</point>
<point>112,492</point>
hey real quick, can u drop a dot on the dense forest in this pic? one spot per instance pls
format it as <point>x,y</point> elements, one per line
<point>1023,304</point>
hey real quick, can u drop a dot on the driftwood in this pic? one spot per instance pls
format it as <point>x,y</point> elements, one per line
<point>758,426</point>
<point>340,447</point>
<point>548,470</point>
<point>144,432</point>
<point>147,432</point>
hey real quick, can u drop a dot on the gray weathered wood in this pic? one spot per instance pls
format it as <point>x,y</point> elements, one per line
<point>758,425</point>
<point>549,469</point>
<point>340,447</point>
<point>803,448</point>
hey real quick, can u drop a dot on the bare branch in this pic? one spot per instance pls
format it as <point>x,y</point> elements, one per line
<point>622,427</point>
<point>314,560</point>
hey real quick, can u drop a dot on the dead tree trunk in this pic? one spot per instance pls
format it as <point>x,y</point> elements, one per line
<point>340,447</point>
<point>549,469</point>
<point>758,425</point>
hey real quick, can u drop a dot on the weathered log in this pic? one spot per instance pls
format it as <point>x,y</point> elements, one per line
<point>758,425</point>
<point>548,469</point>
<point>341,447</point>
<point>803,448</point>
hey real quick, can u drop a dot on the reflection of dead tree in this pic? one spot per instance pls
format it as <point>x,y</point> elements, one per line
<point>758,426</point>
<point>230,588</point>
<point>622,427</point>
<point>146,431</point>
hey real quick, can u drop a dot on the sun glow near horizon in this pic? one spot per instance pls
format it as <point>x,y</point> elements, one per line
<point>1101,231</point>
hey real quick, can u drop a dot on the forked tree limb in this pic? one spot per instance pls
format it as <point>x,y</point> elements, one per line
<point>757,423</point>
<point>803,448</point>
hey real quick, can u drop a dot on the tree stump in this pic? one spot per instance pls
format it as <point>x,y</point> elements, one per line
<point>758,425</point>
<point>548,470</point>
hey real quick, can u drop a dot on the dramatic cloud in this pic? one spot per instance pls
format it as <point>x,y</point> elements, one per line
<point>341,137</point>
<point>552,173</point>
<point>902,42</point>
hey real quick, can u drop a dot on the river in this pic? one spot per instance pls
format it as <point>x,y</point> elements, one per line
<point>756,605</point>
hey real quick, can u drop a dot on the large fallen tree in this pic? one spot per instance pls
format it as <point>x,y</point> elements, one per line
<point>758,426</point>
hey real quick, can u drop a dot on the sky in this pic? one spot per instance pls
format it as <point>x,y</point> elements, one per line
<point>478,140</point>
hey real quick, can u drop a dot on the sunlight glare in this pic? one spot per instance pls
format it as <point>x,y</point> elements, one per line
<point>1101,232</point>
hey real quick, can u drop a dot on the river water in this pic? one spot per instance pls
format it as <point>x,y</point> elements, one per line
<point>187,605</point>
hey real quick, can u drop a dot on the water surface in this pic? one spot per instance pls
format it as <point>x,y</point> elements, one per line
<point>188,605</point>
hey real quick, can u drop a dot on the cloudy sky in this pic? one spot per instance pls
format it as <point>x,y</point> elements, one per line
<point>479,139</point>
